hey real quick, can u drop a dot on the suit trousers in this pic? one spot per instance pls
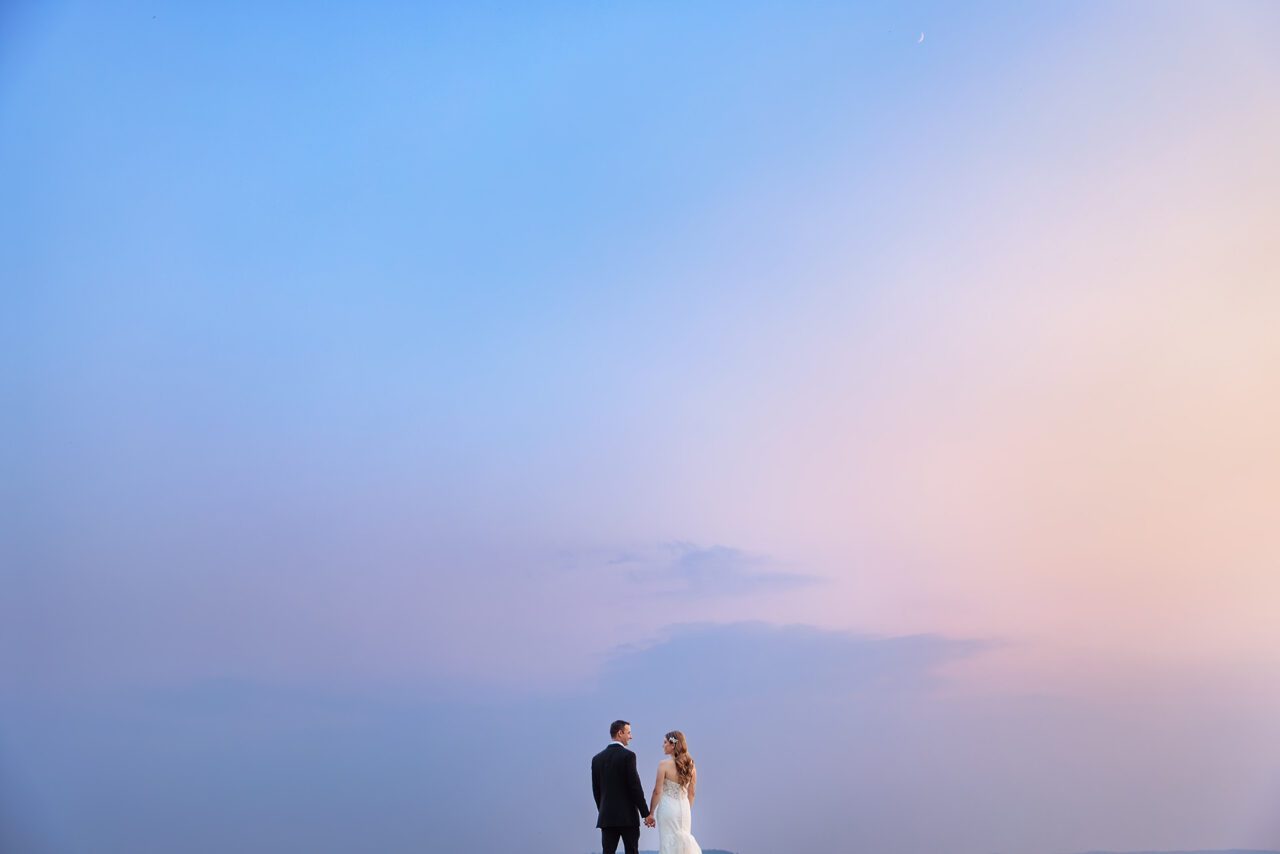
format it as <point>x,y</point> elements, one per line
<point>630,837</point>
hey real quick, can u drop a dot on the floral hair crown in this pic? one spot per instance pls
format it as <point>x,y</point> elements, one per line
<point>671,738</point>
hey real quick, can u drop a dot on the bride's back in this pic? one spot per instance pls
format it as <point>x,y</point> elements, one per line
<point>670,776</point>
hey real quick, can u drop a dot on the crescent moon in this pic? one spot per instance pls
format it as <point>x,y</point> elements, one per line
<point>921,39</point>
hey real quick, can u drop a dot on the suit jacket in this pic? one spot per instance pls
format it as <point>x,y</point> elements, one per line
<point>616,785</point>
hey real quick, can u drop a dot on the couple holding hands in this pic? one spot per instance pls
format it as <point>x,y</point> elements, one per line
<point>620,797</point>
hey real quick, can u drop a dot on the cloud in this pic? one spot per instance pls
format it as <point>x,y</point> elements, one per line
<point>714,663</point>
<point>806,739</point>
<point>686,569</point>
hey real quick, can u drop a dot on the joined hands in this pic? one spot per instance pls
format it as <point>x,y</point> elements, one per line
<point>649,820</point>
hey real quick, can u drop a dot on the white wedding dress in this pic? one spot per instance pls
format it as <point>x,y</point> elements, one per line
<point>672,817</point>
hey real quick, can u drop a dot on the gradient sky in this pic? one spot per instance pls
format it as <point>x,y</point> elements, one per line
<point>393,394</point>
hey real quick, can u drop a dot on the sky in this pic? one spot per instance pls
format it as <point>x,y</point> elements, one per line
<point>394,394</point>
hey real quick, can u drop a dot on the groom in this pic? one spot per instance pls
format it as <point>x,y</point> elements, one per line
<point>619,795</point>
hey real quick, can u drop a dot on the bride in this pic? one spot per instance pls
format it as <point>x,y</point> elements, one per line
<point>673,794</point>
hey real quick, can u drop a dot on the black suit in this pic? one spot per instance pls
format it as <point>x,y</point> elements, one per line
<point>619,798</point>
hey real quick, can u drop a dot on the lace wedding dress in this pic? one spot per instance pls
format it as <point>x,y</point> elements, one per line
<point>672,817</point>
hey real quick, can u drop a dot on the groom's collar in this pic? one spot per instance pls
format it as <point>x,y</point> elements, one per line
<point>614,741</point>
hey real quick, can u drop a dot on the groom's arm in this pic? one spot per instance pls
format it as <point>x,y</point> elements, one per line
<point>637,790</point>
<point>595,781</point>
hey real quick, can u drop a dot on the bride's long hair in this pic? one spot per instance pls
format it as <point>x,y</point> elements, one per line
<point>684,762</point>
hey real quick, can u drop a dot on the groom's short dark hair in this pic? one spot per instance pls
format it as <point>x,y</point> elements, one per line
<point>616,727</point>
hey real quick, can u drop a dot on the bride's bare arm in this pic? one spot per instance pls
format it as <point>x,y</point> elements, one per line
<point>657,791</point>
<point>693,785</point>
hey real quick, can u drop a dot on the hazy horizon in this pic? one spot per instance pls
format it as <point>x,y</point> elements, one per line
<point>883,394</point>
